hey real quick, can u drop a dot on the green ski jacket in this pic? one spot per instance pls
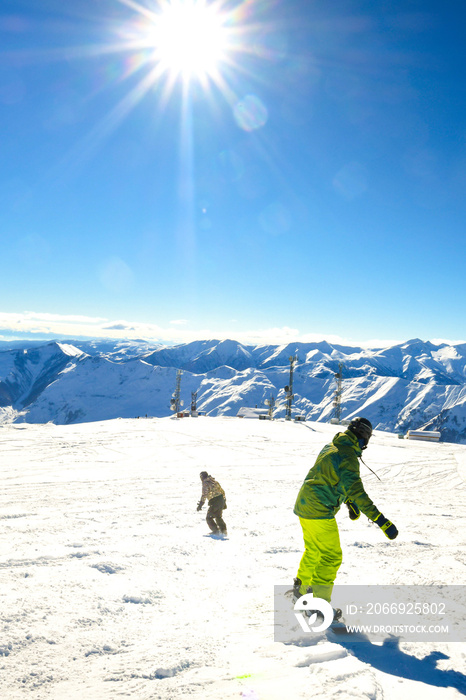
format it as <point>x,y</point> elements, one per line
<point>333,479</point>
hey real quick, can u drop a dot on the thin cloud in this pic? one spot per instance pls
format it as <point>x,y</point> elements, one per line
<point>48,325</point>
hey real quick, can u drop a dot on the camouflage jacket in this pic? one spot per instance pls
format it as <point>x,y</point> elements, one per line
<point>210,489</point>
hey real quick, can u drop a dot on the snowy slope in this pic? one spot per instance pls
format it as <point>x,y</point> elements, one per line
<point>412,385</point>
<point>108,587</point>
<point>96,389</point>
<point>25,373</point>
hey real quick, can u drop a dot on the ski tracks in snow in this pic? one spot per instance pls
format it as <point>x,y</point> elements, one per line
<point>108,587</point>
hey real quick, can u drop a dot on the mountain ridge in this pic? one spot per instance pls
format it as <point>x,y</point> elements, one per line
<point>413,384</point>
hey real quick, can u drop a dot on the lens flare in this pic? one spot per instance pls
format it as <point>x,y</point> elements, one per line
<point>250,113</point>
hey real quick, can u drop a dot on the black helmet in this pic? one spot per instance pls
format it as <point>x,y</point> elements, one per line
<point>362,428</point>
<point>203,475</point>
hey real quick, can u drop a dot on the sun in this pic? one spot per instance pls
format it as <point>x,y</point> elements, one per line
<point>189,38</point>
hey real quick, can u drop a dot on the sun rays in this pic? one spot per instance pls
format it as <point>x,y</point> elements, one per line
<point>156,52</point>
<point>190,39</point>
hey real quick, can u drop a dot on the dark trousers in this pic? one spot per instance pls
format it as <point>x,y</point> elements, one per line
<point>214,514</point>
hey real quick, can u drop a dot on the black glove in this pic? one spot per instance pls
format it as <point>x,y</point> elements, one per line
<point>353,510</point>
<point>386,526</point>
<point>199,506</point>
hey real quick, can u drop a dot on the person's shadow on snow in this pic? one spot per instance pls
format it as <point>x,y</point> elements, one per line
<point>389,658</point>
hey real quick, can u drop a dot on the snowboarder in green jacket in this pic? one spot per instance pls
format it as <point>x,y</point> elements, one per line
<point>334,479</point>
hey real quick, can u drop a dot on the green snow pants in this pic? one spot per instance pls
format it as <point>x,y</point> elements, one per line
<point>322,556</point>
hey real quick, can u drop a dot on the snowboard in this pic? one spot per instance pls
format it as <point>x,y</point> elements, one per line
<point>217,536</point>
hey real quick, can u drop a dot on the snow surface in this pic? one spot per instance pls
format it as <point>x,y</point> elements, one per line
<point>110,589</point>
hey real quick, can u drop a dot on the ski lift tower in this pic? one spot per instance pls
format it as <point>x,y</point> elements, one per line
<point>194,402</point>
<point>175,403</point>
<point>289,389</point>
<point>338,392</point>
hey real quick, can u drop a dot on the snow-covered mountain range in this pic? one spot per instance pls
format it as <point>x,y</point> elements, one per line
<point>411,385</point>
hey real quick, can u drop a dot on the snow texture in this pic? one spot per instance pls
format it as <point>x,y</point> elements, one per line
<point>109,589</point>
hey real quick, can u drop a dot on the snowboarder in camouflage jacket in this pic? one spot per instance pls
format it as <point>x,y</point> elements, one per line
<point>215,496</point>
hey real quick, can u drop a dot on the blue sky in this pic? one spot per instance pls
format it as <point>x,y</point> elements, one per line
<point>314,187</point>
